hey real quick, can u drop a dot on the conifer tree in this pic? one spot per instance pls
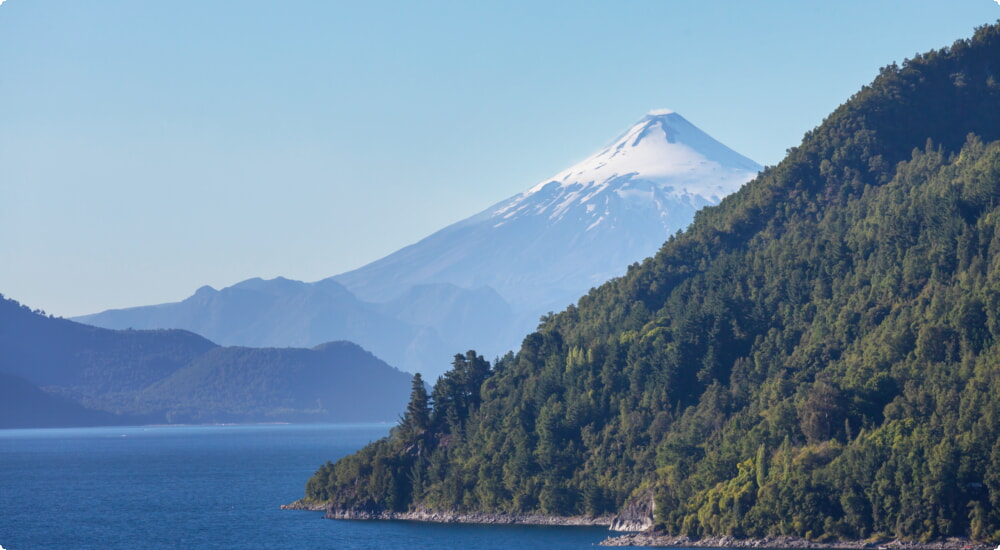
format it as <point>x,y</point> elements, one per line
<point>418,412</point>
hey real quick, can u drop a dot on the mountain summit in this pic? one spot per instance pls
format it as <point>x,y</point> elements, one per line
<point>663,153</point>
<point>483,282</point>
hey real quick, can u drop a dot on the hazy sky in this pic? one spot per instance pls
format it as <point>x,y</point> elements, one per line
<point>148,148</point>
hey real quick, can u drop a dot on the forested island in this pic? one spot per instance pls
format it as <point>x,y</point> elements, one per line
<point>816,357</point>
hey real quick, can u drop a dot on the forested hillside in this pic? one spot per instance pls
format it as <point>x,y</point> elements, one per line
<point>817,356</point>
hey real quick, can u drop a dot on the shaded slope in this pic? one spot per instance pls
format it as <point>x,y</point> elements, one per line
<point>24,405</point>
<point>334,382</point>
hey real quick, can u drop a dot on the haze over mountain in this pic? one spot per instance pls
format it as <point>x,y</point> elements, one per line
<point>56,372</point>
<point>484,281</point>
<point>281,312</point>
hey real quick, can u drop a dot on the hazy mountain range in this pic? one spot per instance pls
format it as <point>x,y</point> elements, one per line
<point>56,372</point>
<point>485,281</point>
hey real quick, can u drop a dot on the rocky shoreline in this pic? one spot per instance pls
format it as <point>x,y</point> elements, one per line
<point>667,541</point>
<point>447,517</point>
<point>478,517</point>
<point>306,504</point>
<point>645,538</point>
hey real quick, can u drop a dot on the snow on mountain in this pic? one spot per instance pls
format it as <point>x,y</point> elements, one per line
<point>545,247</point>
<point>662,157</point>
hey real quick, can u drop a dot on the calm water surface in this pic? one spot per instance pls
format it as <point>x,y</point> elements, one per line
<point>208,487</point>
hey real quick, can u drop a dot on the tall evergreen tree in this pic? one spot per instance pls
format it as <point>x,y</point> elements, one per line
<point>417,417</point>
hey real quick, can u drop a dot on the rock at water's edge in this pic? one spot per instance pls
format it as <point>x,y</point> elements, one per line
<point>305,504</point>
<point>637,515</point>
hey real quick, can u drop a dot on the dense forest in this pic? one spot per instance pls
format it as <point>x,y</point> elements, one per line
<point>817,356</point>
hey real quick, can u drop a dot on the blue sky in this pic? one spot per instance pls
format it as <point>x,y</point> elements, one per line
<point>149,148</point>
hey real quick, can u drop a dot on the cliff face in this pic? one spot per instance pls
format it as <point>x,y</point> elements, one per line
<point>637,515</point>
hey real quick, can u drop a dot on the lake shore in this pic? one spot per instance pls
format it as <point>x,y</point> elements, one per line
<point>647,539</point>
<point>450,517</point>
<point>667,541</point>
<point>478,518</point>
<point>305,504</point>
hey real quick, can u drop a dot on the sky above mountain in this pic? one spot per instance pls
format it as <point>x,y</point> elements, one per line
<point>149,148</point>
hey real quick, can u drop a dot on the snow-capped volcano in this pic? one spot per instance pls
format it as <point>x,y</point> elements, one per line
<point>545,247</point>
<point>662,157</point>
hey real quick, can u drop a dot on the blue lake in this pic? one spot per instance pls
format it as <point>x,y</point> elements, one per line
<point>208,487</point>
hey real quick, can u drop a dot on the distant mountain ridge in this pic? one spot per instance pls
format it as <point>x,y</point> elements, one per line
<point>275,313</point>
<point>485,281</point>
<point>56,372</point>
